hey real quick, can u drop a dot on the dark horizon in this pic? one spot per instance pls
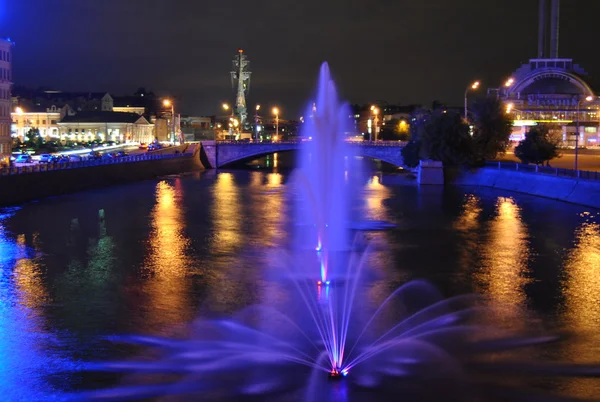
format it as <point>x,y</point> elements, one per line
<point>400,52</point>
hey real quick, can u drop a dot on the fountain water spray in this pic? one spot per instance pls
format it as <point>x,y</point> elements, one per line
<point>415,343</point>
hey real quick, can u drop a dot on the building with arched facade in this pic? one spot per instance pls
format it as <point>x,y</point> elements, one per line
<point>552,90</point>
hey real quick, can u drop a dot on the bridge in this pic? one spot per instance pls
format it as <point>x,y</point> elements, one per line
<point>217,154</point>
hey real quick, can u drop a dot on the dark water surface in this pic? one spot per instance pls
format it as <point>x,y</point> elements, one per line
<point>150,257</point>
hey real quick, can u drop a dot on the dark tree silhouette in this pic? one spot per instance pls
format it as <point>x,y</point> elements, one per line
<point>537,147</point>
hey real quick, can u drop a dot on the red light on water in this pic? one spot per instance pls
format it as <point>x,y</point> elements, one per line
<point>319,283</point>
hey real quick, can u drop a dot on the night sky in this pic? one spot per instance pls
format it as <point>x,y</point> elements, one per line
<point>394,50</point>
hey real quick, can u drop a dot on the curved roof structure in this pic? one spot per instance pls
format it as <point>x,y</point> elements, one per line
<point>552,82</point>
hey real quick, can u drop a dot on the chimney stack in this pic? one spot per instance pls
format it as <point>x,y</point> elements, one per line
<point>554,20</point>
<point>542,30</point>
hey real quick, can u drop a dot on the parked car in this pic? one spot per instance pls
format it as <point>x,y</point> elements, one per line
<point>143,146</point>
<point>154,147</point>
<point>23,158</point>
<point>121,154</point>
<point>75,158</point>
<point>55,159</point>
<point>45,158</point>
<point>94,155</point>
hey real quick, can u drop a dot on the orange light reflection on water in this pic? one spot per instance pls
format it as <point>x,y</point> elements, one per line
<point>505,254</point>
<point>167,263</point>
<point>581,291</point>
<point>375,194</point>
<point>28,276</point>
<point>227,208</point>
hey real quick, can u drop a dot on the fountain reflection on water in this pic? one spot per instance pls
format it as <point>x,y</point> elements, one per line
<point>322,324</point>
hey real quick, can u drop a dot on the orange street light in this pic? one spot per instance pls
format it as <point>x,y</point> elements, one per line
<point>473,87</point>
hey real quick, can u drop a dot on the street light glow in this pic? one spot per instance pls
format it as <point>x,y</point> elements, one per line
<point>225,106</point>
<point>589,98</point>
<point>475,85</point>
<point>19,110</point>
<point>509,82</point>
<point>509,107</point>
<point>257,108</point>
<point>375,111</point>
<point>276,111</point>
<point>167,102</point>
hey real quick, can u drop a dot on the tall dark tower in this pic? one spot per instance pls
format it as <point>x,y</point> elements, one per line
<point>542,30</point>
<point>554,20</point>
<point>548,30</point>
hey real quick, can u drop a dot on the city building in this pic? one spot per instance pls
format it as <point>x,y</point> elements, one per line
<point>45,109</point>
<point>105,126</point>
<point>46,120</point>
<point>552,90</point>
<point>5,100</point>
<point>198,127</point>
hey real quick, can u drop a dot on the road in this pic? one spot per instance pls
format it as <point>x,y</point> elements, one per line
<point>589,159</point>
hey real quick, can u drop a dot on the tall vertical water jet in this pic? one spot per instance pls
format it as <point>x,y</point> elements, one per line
<point>325,193</point>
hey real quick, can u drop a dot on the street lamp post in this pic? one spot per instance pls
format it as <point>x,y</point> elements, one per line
<point>256,122</point>
<point>169,103</point>
<point>226,108</point>
<point>276,113</point>
<point>587,99</point>
<point>375,120</point>
<point>473,87</point>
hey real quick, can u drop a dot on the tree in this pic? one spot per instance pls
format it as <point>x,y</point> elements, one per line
<point>410,154</point>
<point>537,147</point>
<point>34,137</point>
<point>492,128</point>
<point>443,136</point>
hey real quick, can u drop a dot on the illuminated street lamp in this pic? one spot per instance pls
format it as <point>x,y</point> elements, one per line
<point>169,103</point>
<point>587,99</point>
<point>473,87</point>
<point>509,82</point>
<point>375,118</point>
<point>256,122</point>
<point>509,108</point>
<point>19,110</point>
<point>276,113</point>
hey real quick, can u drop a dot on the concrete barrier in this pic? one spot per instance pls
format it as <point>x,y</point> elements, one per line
<point>19,188</point>
<point>576,191</point>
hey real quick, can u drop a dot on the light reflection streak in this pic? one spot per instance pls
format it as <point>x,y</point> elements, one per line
<point>468,225</point>
<point>375,194</point>
<point>581,291</point>
<point>505,256</point>
<point>28,276</point>
<point>167,263</point>
<point>270,209</point>
<point>469,218</point>
<point>227,214</point>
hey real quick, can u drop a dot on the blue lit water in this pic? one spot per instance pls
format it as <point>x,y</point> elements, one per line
<point>151,256</point>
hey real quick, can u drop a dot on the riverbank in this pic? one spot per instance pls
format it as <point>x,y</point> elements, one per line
<point>19,188</point>
<point>572,190</point>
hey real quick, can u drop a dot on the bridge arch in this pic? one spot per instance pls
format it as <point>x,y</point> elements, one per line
<point>223,153</point>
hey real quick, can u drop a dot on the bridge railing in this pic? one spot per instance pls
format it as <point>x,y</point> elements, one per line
<point>293,142</point>
<point>47,167</point>
<point>545,170</point>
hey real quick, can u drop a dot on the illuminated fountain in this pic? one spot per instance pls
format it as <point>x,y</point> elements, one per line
<point>414,344</point>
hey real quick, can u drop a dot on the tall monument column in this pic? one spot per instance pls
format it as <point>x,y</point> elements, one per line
<point>241,74</point>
